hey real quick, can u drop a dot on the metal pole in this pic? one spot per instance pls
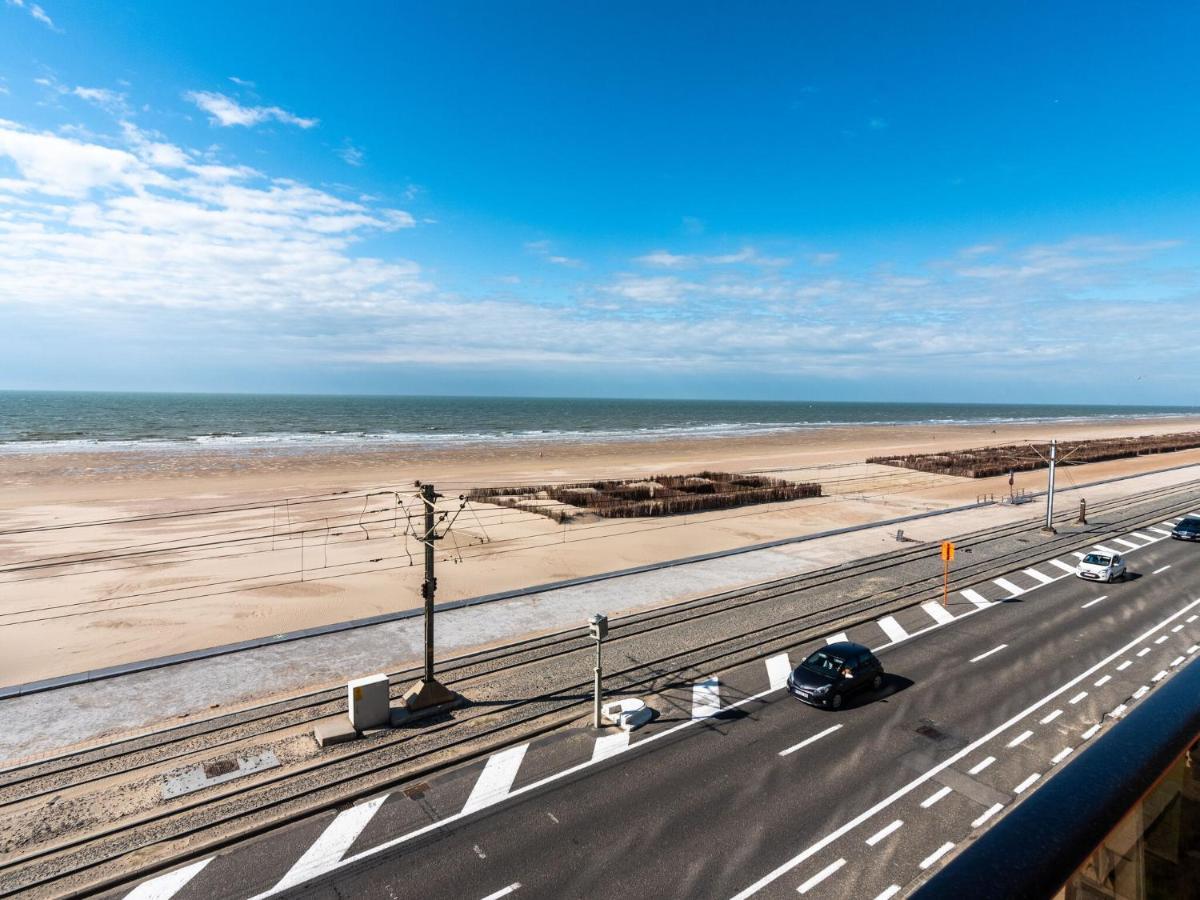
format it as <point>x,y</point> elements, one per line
<point>1050,488</point>
<point>429,586</point>
<point>597,689</point>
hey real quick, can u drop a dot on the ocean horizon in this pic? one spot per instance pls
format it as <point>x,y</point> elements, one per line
<point>38,421</point>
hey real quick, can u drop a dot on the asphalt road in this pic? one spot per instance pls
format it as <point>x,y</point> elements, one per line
<point>767,796</point>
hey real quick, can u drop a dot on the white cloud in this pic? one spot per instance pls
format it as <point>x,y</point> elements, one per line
<point>351,155</point>
<point>823,259</point>
<point>36,11</point>
<point>544,249</point>
<point>242,82</point>
<point>667,260</point>
<point>225,111</point>
<point>113,101</point>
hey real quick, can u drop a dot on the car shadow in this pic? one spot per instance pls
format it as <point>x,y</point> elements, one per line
<point>892,685</point>
<point>1131,576</point>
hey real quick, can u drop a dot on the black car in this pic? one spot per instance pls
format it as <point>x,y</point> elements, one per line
<point>832,673</point>
<point>1187,530</point>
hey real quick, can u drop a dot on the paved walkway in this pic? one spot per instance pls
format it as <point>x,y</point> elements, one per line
<point>40,723</point>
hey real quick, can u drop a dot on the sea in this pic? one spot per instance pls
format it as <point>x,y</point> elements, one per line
<point>45,421</point>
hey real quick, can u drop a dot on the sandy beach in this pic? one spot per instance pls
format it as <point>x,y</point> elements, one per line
<point>307,547</point>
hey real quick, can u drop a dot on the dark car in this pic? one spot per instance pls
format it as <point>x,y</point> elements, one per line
<point>1187,530</point>
<point>832,673</point>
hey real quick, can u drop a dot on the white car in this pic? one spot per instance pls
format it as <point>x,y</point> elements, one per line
<point>1105,567</point>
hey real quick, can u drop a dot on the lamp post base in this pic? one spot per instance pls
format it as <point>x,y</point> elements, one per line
<point>425,694</point>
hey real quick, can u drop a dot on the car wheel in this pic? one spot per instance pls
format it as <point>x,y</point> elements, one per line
<point>836,702</point>
<point>876,682</point>
<point>1108,580</point>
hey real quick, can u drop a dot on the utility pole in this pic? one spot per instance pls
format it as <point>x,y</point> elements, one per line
<point>1049,529</point>
<point>428,692</point>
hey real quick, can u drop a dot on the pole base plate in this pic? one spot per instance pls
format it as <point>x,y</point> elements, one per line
<point>1049,530</point>
<point>425,694</point>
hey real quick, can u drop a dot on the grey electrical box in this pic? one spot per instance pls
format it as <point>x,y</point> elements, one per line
<point>598,626</point>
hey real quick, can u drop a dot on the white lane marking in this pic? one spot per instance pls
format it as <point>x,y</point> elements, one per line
<point>1058,563</point>
<point>977,598</point>
<point>610,745</point>
<point>987,814</point>
<point>924,777</point>
<point>328,849</point>
<point>820,876</point>
<point>934,797</point>
<point>936,855</point>
<point>1050,718</point>
<point>166,886</point>
<point>1061,755</point>
<point>884,832</point>
<point>1005,585</point>
<point>1171,524</point>
<point>1177,629</point>
<point>1078,555</point>
<point>1024,785</point>
<point>1193,648</point>
<point>1160,676</point>
<point>1161,569</point>
<point>1159,640</point>
<point>838,638</point>
<point>1020,738</point>
<point>820,844</point>
<point>778,669</point>
<point>888,892</point>
<point>1160,531</point>
<point>706,698</point>
<point>980,766</point>
<point>1144,537</point>
<point>496,780</point>
<point>989,653</point>
<point>1087,734</point>
<point>1118,711</point>
<point>1177,660</point>
<point>1077,697</point>
<point>1191,619</point>
<point>1038,576</point>
<point>893,629</point>
<point>937,612</point>
<point>503,892</point>
<point>1103,681</point>
<point>1094,602</point>
<point>1125,665</point>
<point>1128,545</point>
<point>1140,692</point>
<point>1143,651</point>
<point>809,740</point>
<point>1109,550</point>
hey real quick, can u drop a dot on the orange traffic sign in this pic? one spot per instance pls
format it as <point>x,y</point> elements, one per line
<point>947,551</point>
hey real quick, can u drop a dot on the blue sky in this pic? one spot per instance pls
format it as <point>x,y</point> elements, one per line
<point>878,201</point>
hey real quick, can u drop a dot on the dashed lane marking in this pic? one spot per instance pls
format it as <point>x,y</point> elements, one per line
<point>504,891</point>
<point>1058,563</point>
<point>987,814</point>
<point>1050,718</point>
<point>1177,629</point>
<point>1038,576</point>
<point>977,598</point>
<point>327,851</point>
<point>706,698</point>
<point>884,832</point>
<point>779,667</point>
<point>1077,697</point>
<point>1160,640</point>
<point>820,876</point>
<point>1091,731</point>
<point>1118,711</point>
<point>893,629</point>
<point>1128,545</point>
<point>1125,665</point>
<point>1143,651</point>
<point>1005,585</point>
<point>1094,602</point>
<point>496,779</point>
<point>1141,692</point>
<point>1027,783</point>
<point>1103,681</point>
<point>1077,554</point>
<point>934,797</point>
<point>1161,569</point>
<point>1020,738</point>
<point>610,745</point>
<point>166,886</point>
<point>838,638</point>
<point>980,766</point>
<point>888,892</point>
<point>937,854</point>
<point>809,740</point>
<point>989,653</point>
<point>1144,537</point>
<point>1160,531</point>
<point>1160,676</point>
<point>937,612</point>
<point>1191,619</point>
<point>1109,550</point>
<point>1061,755</point>
<point>1177,660</point>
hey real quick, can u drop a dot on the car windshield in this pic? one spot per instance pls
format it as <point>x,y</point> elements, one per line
<point>1188,525</point>
<point>825,663</point>
<point>1096,559</point>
